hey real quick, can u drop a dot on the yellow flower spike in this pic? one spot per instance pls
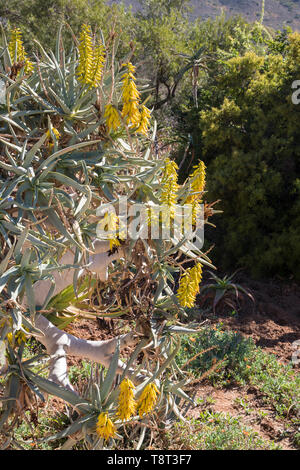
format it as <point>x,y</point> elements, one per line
<point>189,286</point>
<point>145,120</point>
<point>91,58</point>
<point>110,224</point>
<point>197,181</point>
<point>49,136</point>
<point>170,186</point>
<point>127,404</point>
<point>86,56</point>
<point>130,97</point>
<point>195,211</point>
<point>148,399</point>
<point>198,177</point>
<point>170,169</point>
<point>112,117</point>
<point>98,64</point>
<point>105,427</point>
<point>17,52</point>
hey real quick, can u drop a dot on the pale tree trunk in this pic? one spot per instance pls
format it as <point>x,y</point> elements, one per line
<point>60,344</point>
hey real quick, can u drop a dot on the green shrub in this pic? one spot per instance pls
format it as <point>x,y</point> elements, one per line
<point>239,361</point>
<point>246,131</point>
<point>228,349</point>
<point>217,431</point>
<point>251,147</point>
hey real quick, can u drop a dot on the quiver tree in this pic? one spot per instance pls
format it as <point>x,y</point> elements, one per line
<point>76,137</point>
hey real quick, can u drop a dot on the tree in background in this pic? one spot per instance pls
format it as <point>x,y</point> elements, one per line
<point>38,19</point>
<point>251,147</point>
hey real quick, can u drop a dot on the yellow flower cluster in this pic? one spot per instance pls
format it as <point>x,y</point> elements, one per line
<point>19,337</point>
<point>91,59</point>
<point>50,138</point>
<point>99,61</point>
<point>131,97</point>
<point>112,117</point>
<point>170,170</point>
<point>197,186</point>
<point>134,115</point>
<point>110,224</point>
<point>198,178</point>
<point>170,186</point>
<point>147,399</point>
<point>105,427</point>
<point>144,121</point>
<point>17,52</point>
<point>189,286</point>
<point>127,404</point>
<point>127,407</point>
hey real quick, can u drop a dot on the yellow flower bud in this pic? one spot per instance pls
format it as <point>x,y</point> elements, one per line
<point>127,404</point>
<point>189,286</point>
<point>17,52</point>
<point>105,427</point>
<point>147,399</point>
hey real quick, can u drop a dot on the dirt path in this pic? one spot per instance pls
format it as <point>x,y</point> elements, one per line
<point>272,321</point>
<point>244,404</point>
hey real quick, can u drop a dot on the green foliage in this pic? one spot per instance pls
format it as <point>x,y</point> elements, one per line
<point>224,358</point>
<point>279,384</point>
<point>38,20</point>
<point>239,361</point>
<point>249,142</point>
<point>216,431</point>
<point>80,373</point>
<point>30,431</point>
<point>226,290</point>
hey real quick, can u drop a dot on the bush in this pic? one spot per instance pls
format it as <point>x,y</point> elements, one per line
<point>250,144</point>
<point>224,358</point>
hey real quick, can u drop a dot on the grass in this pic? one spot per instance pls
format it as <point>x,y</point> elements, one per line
<point>29,433</point>
<point>80,374</point>
<point>240,362</point>
<point>216,431</point>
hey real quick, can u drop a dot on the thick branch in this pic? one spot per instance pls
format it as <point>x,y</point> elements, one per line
<point>59,344</point>
<point>98,264</point>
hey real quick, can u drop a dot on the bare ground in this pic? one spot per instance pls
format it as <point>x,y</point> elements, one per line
<point>272,321</point>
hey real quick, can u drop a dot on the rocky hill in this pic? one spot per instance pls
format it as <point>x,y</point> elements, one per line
<point>278,13</point>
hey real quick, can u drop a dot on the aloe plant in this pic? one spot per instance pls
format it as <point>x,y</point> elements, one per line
<point>61,159</point>
<point>224,289</point>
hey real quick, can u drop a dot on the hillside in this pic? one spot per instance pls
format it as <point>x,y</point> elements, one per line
<point>278,13</point>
